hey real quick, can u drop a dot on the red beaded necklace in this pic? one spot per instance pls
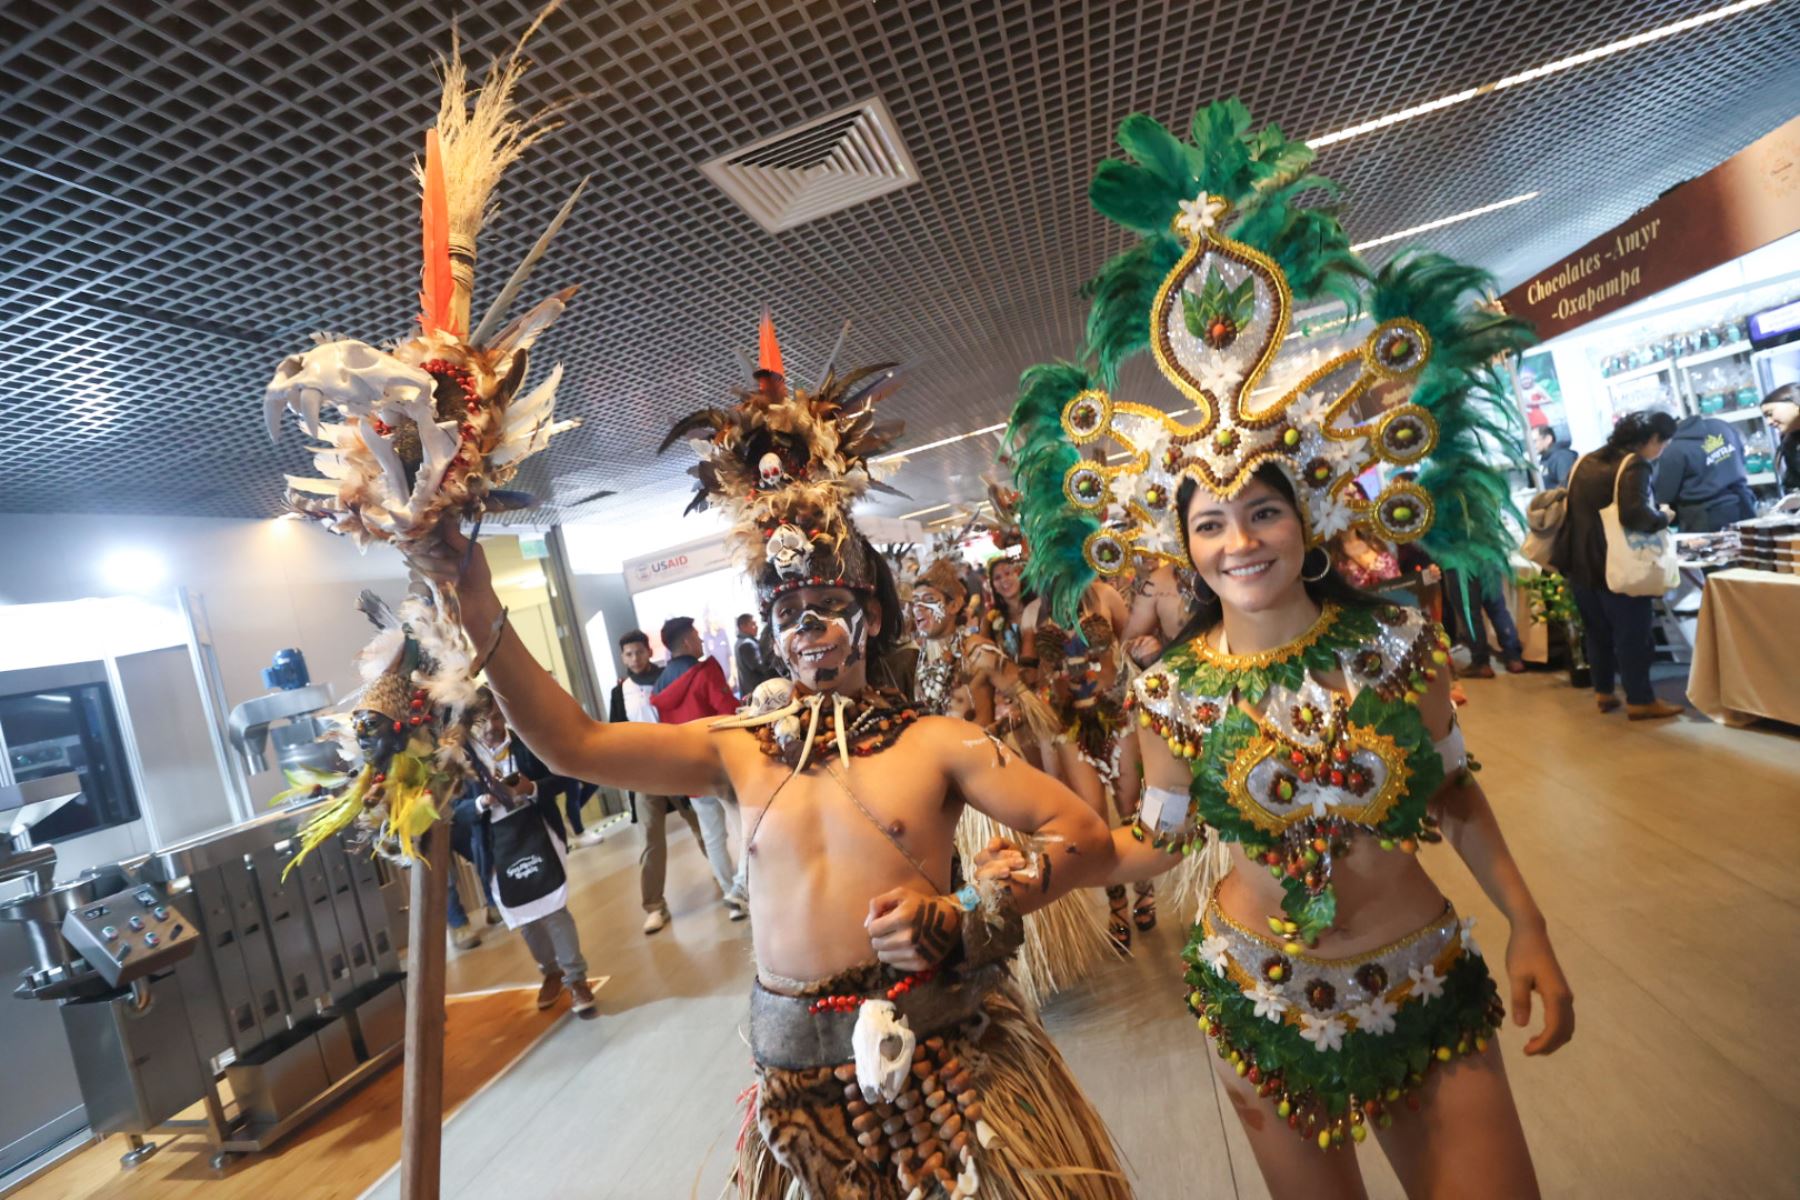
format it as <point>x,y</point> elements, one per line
<point>842,1003</point>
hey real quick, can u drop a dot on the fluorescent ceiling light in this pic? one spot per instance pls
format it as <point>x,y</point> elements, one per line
<point>1535,73</point>
<point>1443,221</point>
<point>934,508</point>
<point>940,442</point>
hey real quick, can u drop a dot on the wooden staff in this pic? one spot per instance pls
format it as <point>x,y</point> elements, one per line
<point>422,1092</point>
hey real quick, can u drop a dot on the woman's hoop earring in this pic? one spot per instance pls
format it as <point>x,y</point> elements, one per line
<point>1323,571</point>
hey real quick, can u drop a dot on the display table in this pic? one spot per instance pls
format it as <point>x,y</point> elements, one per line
<point>1747,648</point>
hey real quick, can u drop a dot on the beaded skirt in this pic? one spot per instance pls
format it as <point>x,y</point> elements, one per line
<point>1337,1044</point>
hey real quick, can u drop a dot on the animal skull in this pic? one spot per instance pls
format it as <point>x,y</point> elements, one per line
<point>791,551</point>
<point>769,468</point>
<point>359,379</point>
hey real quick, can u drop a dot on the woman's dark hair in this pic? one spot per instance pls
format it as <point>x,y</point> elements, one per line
<point>1634,429</point>
<point>1026,595</point>
<point>1208,611</point>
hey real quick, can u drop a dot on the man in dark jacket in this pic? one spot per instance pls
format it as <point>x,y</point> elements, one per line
<point>631,702</point>
<point>691,687</point>
<point>1554,459</point>
<point>752,668</point>
<point>1701,475</point>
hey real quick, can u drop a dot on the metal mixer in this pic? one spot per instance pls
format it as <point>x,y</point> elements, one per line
<point>206,960</point>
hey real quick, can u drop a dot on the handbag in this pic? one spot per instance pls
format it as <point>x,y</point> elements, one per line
<point>1637,564</point>
<point>1546,526</point>
<point>526,864</point>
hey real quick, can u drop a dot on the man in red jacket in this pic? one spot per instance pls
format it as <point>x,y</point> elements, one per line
<point>691,687</point>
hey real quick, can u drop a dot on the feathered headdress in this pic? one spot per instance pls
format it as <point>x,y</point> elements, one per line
<point>435,424</point>
<point>1210,291</point>
<point>943,577</point>
<point>784,465</point>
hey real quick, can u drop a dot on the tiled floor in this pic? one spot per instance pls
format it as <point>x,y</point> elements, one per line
<point>1663,854</point>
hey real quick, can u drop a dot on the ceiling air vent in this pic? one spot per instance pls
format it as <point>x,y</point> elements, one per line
<point>831,163</point>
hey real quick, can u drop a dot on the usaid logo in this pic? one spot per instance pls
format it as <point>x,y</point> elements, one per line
<point>661,566</point>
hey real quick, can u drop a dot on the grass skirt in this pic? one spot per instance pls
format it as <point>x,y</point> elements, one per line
<point>1065,941</point>
<point>991,1107</point>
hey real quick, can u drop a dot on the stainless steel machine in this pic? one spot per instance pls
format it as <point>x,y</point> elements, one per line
<point>216,960</point>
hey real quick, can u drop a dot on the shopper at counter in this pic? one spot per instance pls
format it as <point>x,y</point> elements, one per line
<point>1781,408</point>
<point>1617,626</point>
<point>1701,475</point>
<point>1554,459</point>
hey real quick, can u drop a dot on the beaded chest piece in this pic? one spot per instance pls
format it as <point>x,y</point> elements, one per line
<point>1289,767</point>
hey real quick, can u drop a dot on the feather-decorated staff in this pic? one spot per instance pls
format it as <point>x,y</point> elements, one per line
<point>429,431</point>
<point>438,424</point>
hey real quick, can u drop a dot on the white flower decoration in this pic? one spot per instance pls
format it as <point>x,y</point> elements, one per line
<point>1200,215</point>
<point>1330,516</point>
<point>1310,410</point>
<point>1468,937</point>
<point>1219,376</point>
<point>1428,985</point>
<point>1212,952</point>
<point>1325,1033</point>
<point>1376,1017</point>
<point>1270,1003</point>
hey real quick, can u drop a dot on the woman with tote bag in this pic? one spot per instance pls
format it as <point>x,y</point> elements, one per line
<point>1616,554</point>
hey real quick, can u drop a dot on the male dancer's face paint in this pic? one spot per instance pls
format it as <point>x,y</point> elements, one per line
<point>819,633</point>
<point>929,609</point>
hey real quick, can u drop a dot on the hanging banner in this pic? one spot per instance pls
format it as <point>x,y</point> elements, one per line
<point>671,566</point>
<point>1744,203</point>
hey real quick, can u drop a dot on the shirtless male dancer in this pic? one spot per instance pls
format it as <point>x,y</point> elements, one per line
<point>891,1051</point>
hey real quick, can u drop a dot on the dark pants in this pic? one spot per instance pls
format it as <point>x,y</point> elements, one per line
<point>1487,596</point>
<point>573,795</point>
<point>463,819</point>
<point>1618,640</point>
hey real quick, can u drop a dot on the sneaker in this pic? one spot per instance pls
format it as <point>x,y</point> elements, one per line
<point>1652,711</point>
<point>737,906</point>
<point>466,937</point>
<point>589,837</point>
<point>1515,666</point>
<point>549,990</point>
<point>582,997</point>
<point>655,920</point>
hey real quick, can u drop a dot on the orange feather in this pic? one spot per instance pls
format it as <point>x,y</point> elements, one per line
<point>437,289</point>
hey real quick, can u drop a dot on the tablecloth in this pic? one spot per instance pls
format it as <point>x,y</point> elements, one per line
<point>1747,648</point>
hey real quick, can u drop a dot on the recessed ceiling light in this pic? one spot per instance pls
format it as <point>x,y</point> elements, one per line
<point>1552,68</point>
<point>1443,221</point>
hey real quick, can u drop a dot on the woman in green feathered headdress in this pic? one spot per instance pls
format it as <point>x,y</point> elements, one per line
<point>1298,736</point>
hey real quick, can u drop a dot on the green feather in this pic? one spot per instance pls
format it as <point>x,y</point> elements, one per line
<point>1479,432</point>
<point>1164,155</point>
<point>1055,530</point>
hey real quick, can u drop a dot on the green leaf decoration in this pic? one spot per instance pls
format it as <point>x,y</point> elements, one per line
<point>1193,313</point>
<point>1241,303</point>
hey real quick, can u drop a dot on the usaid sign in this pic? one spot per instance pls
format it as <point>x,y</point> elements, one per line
<point>670,566</point>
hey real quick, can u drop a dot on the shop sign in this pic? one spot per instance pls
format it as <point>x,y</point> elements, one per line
<point>670,566</point>
<point>1746,202</point>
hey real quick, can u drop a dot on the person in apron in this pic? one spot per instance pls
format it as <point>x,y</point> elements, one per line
<point>521,833</point>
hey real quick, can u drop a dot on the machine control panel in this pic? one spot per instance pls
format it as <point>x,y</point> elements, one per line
<point>131,934</point>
